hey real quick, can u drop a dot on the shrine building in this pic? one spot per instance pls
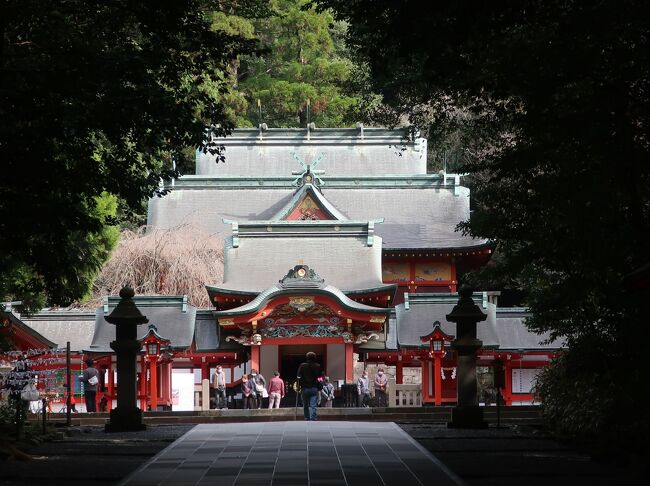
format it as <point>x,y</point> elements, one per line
<point>336,241</point>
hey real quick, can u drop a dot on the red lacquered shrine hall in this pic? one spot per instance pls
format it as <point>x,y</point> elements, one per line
<point>337,241</point>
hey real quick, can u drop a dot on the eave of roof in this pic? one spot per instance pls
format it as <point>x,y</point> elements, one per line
<point>276,291</point>
<point>387,181</point>
<point>480,245</point>
<point>22,327</point>
<point>318,136</point>
<point>214,290</point>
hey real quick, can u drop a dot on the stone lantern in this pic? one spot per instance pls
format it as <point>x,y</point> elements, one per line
<point>467,414</point>
<point>126,317</point>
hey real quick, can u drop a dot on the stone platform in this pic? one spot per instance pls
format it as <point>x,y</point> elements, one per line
<point>300,453</point>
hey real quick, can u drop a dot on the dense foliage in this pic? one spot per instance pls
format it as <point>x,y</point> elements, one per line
<point>98,98</point>
<point>304,60</point>
<point>551,102</point>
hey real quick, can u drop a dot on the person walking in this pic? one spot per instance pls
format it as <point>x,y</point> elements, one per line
<point>258,384</point>
<point>308,374</point>
<point>219,386</point>
<point>381,384</point>
<point>363,389</point>
<point>276,390</point>
<point>327,393</point>
<point>90,379</point>
<point>247,393</point>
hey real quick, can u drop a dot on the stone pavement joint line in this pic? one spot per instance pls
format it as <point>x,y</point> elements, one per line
<point>294,454</point>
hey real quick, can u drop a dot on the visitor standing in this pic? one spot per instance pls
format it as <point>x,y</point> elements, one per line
<point>219,386</point>
<point>327,393</point>
<point>363,389</point>
<point>276,390</point>
<point>381,384</point>
<point>258,384</point>
<point>90,379</point>
<point>247,392</point>
<point>308,374</point>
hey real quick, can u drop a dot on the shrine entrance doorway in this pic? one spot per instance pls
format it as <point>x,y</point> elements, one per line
<point>291,356</point>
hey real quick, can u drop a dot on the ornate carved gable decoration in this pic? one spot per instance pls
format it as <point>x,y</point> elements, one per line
<point>301,276</point>
<point>308,210</point>
<point>302,306</point>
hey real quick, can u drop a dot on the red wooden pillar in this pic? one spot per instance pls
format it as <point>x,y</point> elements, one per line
<point>164,383</point>
<point>507,393</point>
<point>143,383</point>
<point>399,372</point>
<point>437,379</point>
<point>167,383</point>
<point>205,370</point>
<point>349,365</point>
<point>110,387</point>
<point>255,357</point>
<point>153,383</point>
<point>454,286</point>
<point>426,381</point>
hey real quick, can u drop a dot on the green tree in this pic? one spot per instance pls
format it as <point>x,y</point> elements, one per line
<point>305,59</point>
<point>97,98</point>
<point>554,97</point>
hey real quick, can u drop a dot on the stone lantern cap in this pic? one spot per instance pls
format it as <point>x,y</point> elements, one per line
<point>126,312</point>
<point>466,309</point>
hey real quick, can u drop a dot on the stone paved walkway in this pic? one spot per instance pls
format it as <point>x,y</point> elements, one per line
<point>294,454</point>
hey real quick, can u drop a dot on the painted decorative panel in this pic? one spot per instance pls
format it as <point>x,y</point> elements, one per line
<point>306,210</point>
<point>396,272</point>
<point>432,271</point>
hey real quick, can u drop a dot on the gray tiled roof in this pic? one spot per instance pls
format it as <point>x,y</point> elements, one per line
<point>514,335</point>
<point>346,152</point>
<point>413,218</point>
<point>62,326</point>
<point>345,263</point>
<point>423,217</point>
<point>171,321</point>
<point>416,319</point>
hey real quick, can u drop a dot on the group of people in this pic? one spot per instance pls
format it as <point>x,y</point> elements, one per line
<point>315,388</point>
<point>254,389</point>
<point>380,385</point>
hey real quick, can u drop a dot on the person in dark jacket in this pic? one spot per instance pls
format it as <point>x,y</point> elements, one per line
<point>247,394</point>
<point>90,379</point>
<point>309,373</point>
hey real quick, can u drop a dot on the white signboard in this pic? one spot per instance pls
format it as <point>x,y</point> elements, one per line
<point>182,390</point>
<point>523,380</point>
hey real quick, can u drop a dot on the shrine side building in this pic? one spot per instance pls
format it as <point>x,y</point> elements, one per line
<point>336,241</point>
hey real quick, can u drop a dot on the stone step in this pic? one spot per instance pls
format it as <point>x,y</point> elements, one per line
<point>508,415</point>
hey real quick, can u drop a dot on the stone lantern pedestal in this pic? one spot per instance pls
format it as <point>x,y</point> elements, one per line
<point>467,414</point>
<point>126,416</point>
